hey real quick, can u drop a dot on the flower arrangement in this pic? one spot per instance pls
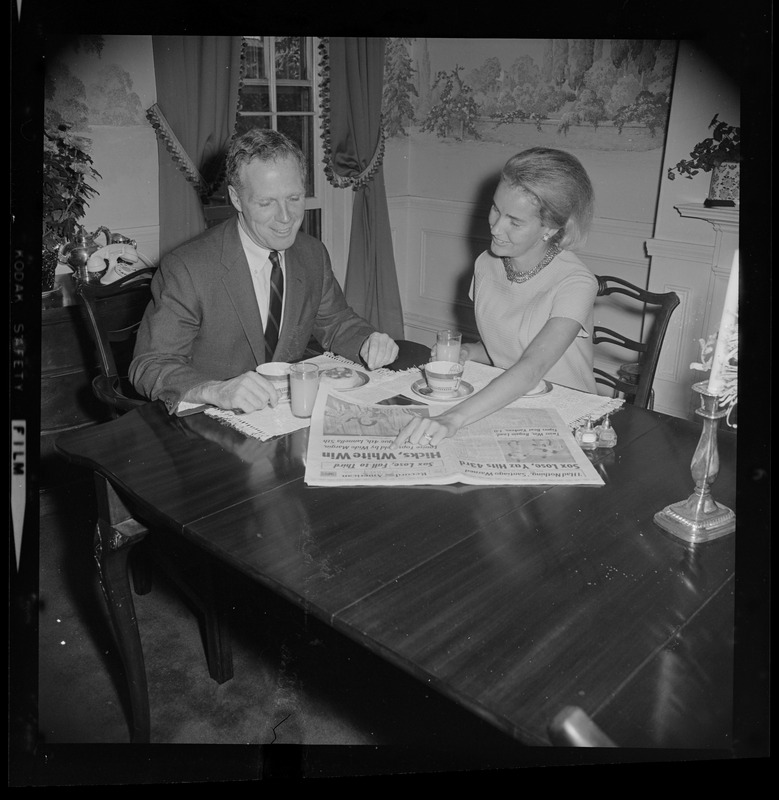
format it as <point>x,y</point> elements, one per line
<point>728,398</point>
<point>724,145</point>
<point>67,166</point>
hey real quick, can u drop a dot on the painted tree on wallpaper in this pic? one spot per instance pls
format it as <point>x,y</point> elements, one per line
<point>65,96</point>
<point>108,99</point>
<point>582,92</point>
<point>399,88</point>
<point>456,113</point>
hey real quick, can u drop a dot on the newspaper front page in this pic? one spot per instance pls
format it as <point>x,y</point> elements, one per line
<point>350,445</point>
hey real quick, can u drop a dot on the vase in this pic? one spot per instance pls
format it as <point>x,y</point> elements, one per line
<point>51,298</point>
<point>48,271</point>
<point>725,182</point>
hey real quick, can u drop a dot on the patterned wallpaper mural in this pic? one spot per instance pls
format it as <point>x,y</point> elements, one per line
<point>101,86</point>
<point>585,93</point>
<point>456,109</point>
<point>106,97</point>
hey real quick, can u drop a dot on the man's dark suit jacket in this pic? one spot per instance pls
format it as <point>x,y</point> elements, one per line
<point>203,322</point>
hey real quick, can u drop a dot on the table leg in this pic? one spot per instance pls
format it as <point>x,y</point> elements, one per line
<point>116,532</point>
<point>219,652</point>
<point>198,579</point>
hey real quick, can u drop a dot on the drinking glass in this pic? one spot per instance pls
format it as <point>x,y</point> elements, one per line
<point>303,387</point>
<point>447,346</point>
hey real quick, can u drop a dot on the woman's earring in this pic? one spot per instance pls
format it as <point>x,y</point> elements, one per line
<point>545,237</point>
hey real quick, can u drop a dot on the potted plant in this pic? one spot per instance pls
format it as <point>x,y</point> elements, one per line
<point>67,168</point>
<point>719,154</point>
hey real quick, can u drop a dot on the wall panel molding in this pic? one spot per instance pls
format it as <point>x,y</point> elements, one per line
<point>674,364</point>
<point>619,227</point>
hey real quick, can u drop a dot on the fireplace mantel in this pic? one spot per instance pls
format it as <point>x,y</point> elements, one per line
<point>724,218</point>
<point>699,274</point>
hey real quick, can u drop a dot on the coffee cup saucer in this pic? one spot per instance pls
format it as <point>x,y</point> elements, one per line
<point>421,388</point>
<point>543,388</point>
<point>362,379</point>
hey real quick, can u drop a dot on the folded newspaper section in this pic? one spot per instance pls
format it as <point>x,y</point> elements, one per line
<point>350,445</point>
<point>573,406</point>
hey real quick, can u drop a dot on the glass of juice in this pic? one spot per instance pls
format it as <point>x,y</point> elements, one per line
<point>303,386</point>
<point>447,346</point>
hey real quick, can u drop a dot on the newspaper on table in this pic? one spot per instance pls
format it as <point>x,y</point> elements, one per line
<point>381,384</point>
<point>350,444</point>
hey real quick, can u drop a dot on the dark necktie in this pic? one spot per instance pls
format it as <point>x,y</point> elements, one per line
<point>273,325</point>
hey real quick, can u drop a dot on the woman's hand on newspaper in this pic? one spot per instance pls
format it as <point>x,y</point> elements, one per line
<point>425,431</point>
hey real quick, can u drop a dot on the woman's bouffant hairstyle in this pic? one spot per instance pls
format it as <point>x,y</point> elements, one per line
<point>560,187</point>
<point>266,145</point>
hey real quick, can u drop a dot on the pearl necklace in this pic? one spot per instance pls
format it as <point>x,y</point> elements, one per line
<point>517,276</point>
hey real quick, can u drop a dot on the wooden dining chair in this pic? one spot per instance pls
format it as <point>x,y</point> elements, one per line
<point>113,314</point>
<point>410,354</point>
<point>634,379</point>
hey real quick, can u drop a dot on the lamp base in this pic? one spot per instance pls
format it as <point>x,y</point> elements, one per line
<point>687,521</point>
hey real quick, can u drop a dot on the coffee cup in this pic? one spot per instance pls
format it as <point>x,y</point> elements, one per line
<point>277,372</point>
<point>443,377</point>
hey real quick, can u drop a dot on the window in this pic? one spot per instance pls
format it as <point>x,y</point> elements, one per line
<point>279,91</point>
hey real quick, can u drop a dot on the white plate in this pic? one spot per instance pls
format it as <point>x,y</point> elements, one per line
<point>361,375</point>
<point>421,388</point>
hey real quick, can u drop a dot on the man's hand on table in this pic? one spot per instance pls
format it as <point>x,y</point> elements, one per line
<point>378,350</point>
<point>244,393</point>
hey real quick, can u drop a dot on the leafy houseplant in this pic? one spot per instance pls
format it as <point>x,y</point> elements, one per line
<point>67,166</point>
<point>723,146</point>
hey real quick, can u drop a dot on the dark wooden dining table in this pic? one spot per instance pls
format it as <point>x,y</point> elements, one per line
<point>513,602</point>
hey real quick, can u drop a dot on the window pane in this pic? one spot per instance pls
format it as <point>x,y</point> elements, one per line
<point>278,92</point>
<point>293,98</point>
<point>254,66</point>
<point>246,123</point>
<point>300,130</point>
<point>255,98</point>
<point>291,58</point>
<point>312,223</point>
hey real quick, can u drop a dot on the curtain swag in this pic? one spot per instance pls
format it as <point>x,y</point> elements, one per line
<point>363,178</point>
<point>179,156</point>
<point>183,162</point>
<point>174,147</point>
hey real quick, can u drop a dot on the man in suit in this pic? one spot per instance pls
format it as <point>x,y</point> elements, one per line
<point>217,309</point>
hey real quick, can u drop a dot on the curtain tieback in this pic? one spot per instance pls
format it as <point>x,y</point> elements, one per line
<point>177,152</point>
<point>364,177</point>
<point>361,178</point>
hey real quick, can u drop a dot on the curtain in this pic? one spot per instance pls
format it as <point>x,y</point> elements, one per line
<point>352,83</point>
<point>198,81</point>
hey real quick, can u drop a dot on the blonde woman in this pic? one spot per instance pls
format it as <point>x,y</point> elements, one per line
<point>533,297</point>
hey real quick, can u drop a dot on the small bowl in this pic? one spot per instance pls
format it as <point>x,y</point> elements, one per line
<point>443,377</point>
<point>277,372</point>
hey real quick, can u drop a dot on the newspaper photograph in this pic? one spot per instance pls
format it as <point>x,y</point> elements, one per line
<point>350,444</point>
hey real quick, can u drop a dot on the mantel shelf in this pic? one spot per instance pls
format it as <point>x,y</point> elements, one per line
<point>722,218</point>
